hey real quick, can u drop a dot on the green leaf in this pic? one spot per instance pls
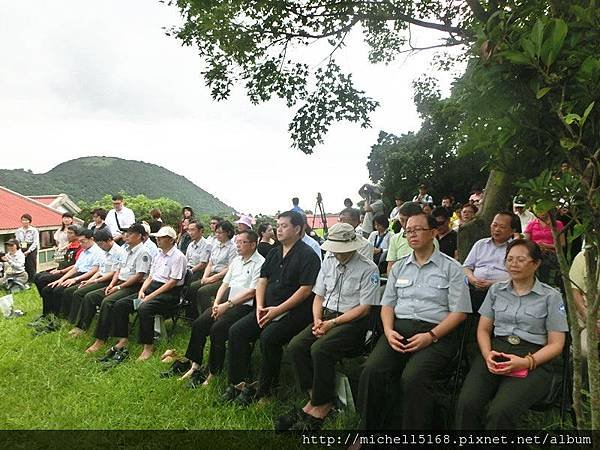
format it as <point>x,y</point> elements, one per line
<point>570,118</point>
<point>578,230</point>
<point>537,37</point>
<point>587,112</point>
<point>542,92</point>
<point>529,47</point>
<point>516,57</point>
<point>553,44</point>
<point>567,143</point>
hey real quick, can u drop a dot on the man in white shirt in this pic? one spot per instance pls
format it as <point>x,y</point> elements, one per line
<point>119,219</point>
<point>525,216</point>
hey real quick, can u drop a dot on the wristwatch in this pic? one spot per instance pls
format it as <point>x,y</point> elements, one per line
<point>335,322</point>
<point>230,303</point>
<point>433,336</point>
<point>118,287</point>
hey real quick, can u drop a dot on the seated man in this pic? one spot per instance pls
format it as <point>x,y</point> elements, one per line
<point>14,273</point>
<point>352,217</point>
<point>197,255</point>
<point>126,281</point>
<point>151,247</point>
<point>347,284</point>
<point>56,295</point>
<point>425,300</point>
<point>158,295</point>
<point>239,286</point>
<point>113,258</point>
<point>283,306</point>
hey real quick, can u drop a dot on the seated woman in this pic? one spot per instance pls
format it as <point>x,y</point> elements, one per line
<point>266,241</point>
<point>14,266</point>
<point>380,238</point>
<point>528,321</point>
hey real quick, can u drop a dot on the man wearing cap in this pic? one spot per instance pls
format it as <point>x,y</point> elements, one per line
<point>525,216</point>
<point>126,281</point>
<point>233,301</point>
<point>283,308</point>
<point>113,258</point>
<point>423,197</point>
<point>425,300</point>
<point>57,296</point>
<point>352,216</point>
<point>158,295</point>
<point>119,219</point>
<point>347,284</point>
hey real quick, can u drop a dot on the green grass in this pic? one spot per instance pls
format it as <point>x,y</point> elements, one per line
<point>48,382</point>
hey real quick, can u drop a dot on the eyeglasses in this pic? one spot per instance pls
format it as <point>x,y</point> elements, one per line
<point>244,242</point>
<point>416,230</point>
<point>519,260</point>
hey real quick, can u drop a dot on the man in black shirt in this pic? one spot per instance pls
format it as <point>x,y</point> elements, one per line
<point>283,308</point>
<point>446,236</point>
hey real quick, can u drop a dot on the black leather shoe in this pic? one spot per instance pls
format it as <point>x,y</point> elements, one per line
<point>284,423</point>
<point>110,353</point>
<point>308,423</point>
<point>121,355</point>
<point>179,367</point>
<point>230,394</point>
<point>198,377</point>
<point>247,396</point>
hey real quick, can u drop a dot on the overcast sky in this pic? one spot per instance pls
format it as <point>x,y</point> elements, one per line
<point>81,79</point>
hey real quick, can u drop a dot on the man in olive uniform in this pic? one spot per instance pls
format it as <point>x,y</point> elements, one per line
<point>126,281</point>
<point>425,300</point>
<point>347,284</point>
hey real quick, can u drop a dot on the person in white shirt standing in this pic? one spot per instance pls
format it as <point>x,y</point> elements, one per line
<point>119,219</point>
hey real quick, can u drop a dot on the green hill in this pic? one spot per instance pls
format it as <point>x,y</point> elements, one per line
<point>91,177</point>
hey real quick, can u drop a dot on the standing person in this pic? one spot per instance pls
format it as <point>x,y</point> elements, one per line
<point>521,335</point>
<point>14,264</point>
<point>184,238</point>
<point>446,236</point>
<point>60,237</point>
<point>425,300</point>
<point>397,204</point>
<point>347,284</point>
<point>525,216</point>
<point>380,239</point>
<point>119,219</point>
<point>98,219</point>
<point>348,203</point>
<point>158,295</point>
<point>233,301</point>
<point>156,223</point>
<point>186,213</point>
<point>266,242</point>
<point>423,197</point>
<point>539,230</point>
<point>283,308</point>
<point>296,208</point>
<point>29,239</point>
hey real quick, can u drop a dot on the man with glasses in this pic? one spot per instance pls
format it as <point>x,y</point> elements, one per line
<point>446,236</point>
<point>119,219</point>
<point>424,302</point>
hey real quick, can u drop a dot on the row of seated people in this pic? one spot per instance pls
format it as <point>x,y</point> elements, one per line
<point>320,309</point>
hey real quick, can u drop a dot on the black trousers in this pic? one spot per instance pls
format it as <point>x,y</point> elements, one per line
<point>414,409</point>
<point>51,298</point>
<point>31,264</point>
<point>477,298</point>
<point>218,330</point>
<point>272,339</point>
<point>163,304</point>
<point>192,309</point>
<point>506,398</point>
<point>43,279</point>
<point>104,326</point>
<point>76,314</point>
<point>315,358</point>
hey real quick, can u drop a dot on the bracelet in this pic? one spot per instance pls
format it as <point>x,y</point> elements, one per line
<point>532,361</point>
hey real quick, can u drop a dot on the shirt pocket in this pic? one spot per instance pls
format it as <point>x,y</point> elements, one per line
<point>438,282</point>
<point>404,287</point>
<point>534,319</point>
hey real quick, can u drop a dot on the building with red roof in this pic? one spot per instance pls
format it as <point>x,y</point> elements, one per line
<point>60,202</point>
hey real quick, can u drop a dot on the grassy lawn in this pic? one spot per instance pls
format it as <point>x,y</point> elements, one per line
<point>48,382</point>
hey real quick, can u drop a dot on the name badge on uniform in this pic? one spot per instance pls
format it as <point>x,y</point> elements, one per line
<point>403,282</point>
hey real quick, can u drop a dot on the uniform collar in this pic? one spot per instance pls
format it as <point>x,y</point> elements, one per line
<point>170,252</point>
<point>435,258</point>
<point>254,257</point>
<point>538,287</point>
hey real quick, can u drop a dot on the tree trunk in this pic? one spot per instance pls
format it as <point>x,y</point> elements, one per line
<point>498,191</point>
<point>591,324</point>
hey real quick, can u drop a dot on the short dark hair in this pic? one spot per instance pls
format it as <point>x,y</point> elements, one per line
<point>68,214</point>
<point>472,206</point>
<point>381,219</point>
<point>85,232</point>
<point>117,197</point>
<point>515,222</point>
<point>352,212</point>
<point>534,250</point>
<point>295,201</point>
<point>262,228</point>
<point>189,208</point>
<point>295,217</point>
<point>217,218</point>
<point>74,228</point>
<point>155,213</point>
<point>103,235</point>
<point>449,197</point>
<point>227,227</point>
<point>27,216</point>
<point>442,211</point>
<point>251,235</point>
<point>137,228</point>
<point>431,222</point>
<point>409,209</point>
<point>348,201</point>
<point>100,212</point>
<point>196,223</point>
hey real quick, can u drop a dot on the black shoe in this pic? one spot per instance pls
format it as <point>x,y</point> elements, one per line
<point>286,422</point>
<point>247,396</point>
<point>308,423</point>
<point>121,355</point>
<point>179,367</point>
<point>230,394</point>
<point>41,320</point>
<point>110,353</point>
<point>50,327</point>
<point>198,377</point>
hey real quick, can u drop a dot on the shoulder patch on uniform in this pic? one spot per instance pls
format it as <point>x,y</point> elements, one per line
<point>374,279</point>
<point>145,258</point>
<point>562,308</point>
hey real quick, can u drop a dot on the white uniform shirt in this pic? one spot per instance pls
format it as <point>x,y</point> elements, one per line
<point>198,252</point>
<point>222,254</point>
<point>126,219</point>
<point>137,260</point>
<point>113,259</point>
<point>169,266</point>
<point>243,275</point>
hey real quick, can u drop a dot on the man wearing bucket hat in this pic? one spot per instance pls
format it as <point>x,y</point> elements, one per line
<point>158,295</point>
<point>347,284</point>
